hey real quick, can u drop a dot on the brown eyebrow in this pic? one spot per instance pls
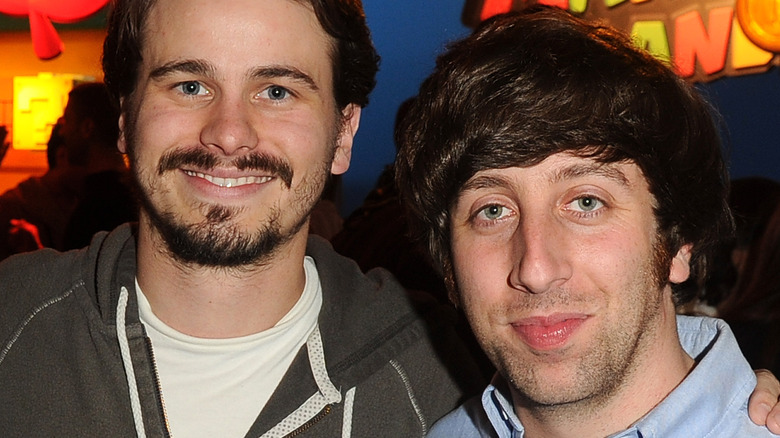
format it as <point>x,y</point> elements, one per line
<point>598,169</point>
<point>204,68</point>
<point>557,175</point>
<point>192,66</point>
<point>278,71</point>
<point>484,182</point>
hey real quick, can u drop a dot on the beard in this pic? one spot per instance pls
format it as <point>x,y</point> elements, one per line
<point>218,240</point>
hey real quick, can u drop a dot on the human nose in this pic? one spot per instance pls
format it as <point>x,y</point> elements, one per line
<point>230,126</point>
<point>541,257</point>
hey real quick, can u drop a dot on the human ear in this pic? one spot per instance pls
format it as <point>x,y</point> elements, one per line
<point>350,122</point>
<point>121,142</point>
<point>680,269</point>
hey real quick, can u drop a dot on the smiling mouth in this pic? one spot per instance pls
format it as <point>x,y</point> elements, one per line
<point>548,333</point>
<point>230,182</point>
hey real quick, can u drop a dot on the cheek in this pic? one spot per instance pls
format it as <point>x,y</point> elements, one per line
<point>613,264</point>
<point>463,263</point>
<point>302,136</point>
<point>160,124</point>
<point>153,131</point>
<point>314,137</point>
<point>481,267</point>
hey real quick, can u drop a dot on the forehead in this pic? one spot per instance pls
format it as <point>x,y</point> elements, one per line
<point>236,33</point>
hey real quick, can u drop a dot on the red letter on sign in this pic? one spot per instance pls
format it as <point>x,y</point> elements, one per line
<point>495,7</point>
<point>692,41</point>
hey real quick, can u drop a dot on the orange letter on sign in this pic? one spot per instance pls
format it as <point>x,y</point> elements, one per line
<point>692,41</point>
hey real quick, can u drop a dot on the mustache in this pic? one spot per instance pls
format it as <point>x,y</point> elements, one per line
<point>204,160</point>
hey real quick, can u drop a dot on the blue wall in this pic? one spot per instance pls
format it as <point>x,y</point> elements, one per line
<point>410,33</point>
<point>750,106</point>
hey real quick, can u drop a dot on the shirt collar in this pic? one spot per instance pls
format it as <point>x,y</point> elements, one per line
<point>497,402</point>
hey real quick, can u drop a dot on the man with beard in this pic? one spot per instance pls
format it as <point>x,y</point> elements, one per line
<point>217,316</point>
<point>572,191</point>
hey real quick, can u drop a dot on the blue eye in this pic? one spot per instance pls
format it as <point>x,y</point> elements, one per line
<point>191,88</point>
<point>277,93</point>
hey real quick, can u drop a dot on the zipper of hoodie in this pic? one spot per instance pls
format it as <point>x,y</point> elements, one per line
<point>307,425</point>
<point>160,400</point>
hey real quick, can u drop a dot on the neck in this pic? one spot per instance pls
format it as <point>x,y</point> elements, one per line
<point>208,302</point>
<point>657,370</point>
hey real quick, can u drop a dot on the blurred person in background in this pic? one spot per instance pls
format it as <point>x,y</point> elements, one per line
<point>106,199</point>
<point>87,177</point>
<point>376,234</point>
<point>752,201</point>
<point>35,213</point>
<point>752,309</point>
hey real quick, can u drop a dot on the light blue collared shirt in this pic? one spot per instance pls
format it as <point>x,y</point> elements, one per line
<point>711,402</point>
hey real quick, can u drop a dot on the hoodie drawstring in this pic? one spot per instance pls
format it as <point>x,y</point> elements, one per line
<point>127,361</point>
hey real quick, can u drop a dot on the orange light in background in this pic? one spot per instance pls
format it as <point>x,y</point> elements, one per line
<point>38,102</point>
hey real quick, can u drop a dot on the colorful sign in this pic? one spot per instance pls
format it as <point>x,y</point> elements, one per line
<point>703,39</point>
<point>46,41</point>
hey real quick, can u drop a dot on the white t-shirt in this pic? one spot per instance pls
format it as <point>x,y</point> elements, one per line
<point>217,387</point>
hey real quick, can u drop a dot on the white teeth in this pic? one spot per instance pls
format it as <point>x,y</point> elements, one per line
<point>230,182</point>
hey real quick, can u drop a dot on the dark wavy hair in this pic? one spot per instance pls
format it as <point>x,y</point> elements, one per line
<point>355,60</point>
<point>527,85</point>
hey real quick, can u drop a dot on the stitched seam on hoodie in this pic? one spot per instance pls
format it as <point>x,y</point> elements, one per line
<point>410,392</point>
<point>18,332</point>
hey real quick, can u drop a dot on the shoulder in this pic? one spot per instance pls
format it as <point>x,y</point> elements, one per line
<point>32,281</point>
<point>11,201</point>
<point>31,285</point>
<point>341,277</point>
<point>337,270</point>
<point>25,191</point>
<point>712,400</point>
<point>374,299</point>
<point>372,307</point>
<point>38,274</point>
